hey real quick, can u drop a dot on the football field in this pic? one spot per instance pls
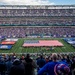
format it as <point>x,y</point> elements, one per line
<point>17,48</point>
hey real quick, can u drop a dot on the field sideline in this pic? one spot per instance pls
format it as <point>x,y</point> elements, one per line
<point>17,48</point>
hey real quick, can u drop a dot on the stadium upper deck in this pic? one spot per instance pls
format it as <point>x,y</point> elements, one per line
<point>63,10</point>
<point>37,15</point>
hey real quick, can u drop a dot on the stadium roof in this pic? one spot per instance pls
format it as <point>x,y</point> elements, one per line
<point>37,6</point>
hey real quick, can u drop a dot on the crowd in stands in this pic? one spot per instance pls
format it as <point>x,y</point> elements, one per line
<point>22,32</point>
<point>37,12</point>
<point>37,17</point>
<point>37,64</point>
<point>37,21</point>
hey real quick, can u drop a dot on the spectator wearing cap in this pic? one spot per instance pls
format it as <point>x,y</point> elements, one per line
<point>61,69</point>
<point>17,68</point>
<point>50,66</point>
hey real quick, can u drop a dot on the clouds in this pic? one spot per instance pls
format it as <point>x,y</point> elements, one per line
<point>37,2</point>
<point>26,2</point>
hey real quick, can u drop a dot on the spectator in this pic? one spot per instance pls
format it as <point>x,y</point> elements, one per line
<point>49,67</point>
<point>9,64</point>
<point>61,69</point>
<point>2,66</point>
<point>73,64</point>
<point>41,62</point>
<point>17,68</point>
<point>30,65</point>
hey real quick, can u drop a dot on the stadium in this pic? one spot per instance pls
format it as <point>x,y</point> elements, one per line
<point>37,39</point>
<point>33,23</point>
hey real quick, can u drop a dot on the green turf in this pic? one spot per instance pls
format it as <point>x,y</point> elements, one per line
<point>17,48</point>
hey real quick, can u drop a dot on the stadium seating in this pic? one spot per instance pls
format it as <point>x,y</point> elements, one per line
<point>40,16</point>
<point>23,21</point>
<point>22,32</point>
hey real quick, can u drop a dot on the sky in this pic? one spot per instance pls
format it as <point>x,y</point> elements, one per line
<point>37,2</point>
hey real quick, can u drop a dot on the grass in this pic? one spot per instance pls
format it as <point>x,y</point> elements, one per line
<point>17,48</point>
